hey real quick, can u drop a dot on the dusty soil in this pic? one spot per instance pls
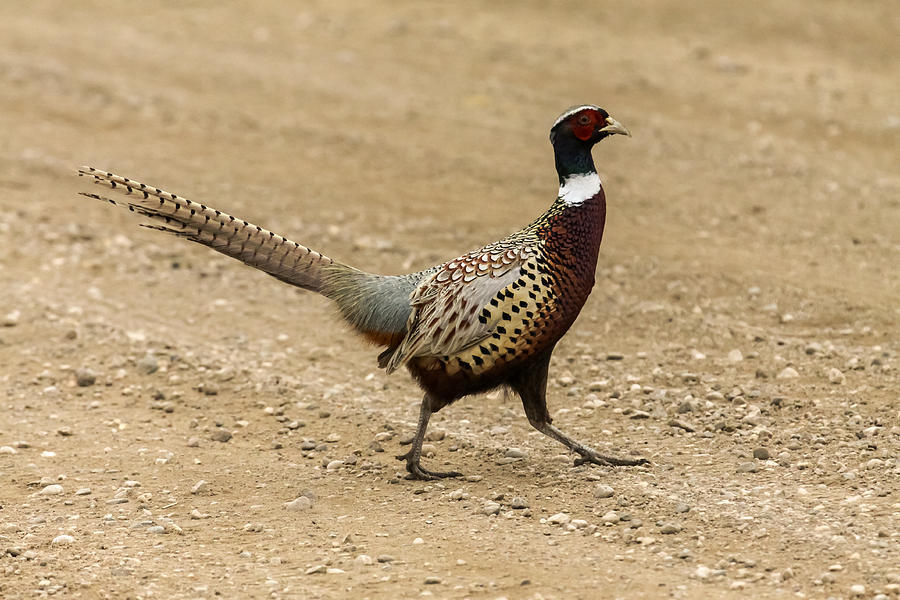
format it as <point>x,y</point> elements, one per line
<point>746,303</point>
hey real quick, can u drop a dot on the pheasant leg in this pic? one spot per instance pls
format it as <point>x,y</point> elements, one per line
<point>588,454</point>
<point>416,471</point>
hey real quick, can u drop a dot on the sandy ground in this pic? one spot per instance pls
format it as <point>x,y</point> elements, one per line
<point>743,335</point>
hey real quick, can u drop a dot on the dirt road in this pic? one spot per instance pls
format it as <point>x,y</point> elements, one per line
<point>176,425</point>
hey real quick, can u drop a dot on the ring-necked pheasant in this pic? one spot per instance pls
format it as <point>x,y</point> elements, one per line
<point>488,318</point>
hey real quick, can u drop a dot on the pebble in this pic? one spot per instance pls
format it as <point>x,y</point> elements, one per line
<point>559,519</point>
<point>685,407</point>
<point>682,507</point>
<point>735,356</point>
<point>748,467</point>
<point>639,414</point>
<point>858,590</point>
<point>83,492</point>
<point>836,377</point>
<point>85,377</point>
<point>334,465</point>
<point>432,580</point>
<point>603,491</point>
<point>490,508</point>
<point>435,435</point>
<point>220,435</point>
<point>8,450</point>
<point>364,559</point>
<point>147,364</point>
<point>518,502</point>
<point>458,494</point>
<point>515,453</point>
<point>52,490</point>
<point>669,528</point>
<point>681,424</point>
<point>316,569</point>
<point>201,487</point>
<point>418,541</point>
<point>157,529</point>
<point>253,527</point>
<point>62,540</point>
<point>385,558</point>
<point>300,503</point>
<point>788,373</point>
<point>193,442</point>
<point>761,454</point>
<point>610,517</point>
<point>702,572</point>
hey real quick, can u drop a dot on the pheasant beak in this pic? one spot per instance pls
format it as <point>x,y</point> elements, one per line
<point>613,126</point>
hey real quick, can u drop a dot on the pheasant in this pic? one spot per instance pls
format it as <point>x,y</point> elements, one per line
<point>486,319</point>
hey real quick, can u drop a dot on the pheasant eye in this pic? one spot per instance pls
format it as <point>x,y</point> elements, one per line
<point>584,120</point>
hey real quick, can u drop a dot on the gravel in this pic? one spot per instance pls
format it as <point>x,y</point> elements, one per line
<point>299,503</point>
<point>601,490</point>
<point>220,434</point>
<point>85,377</point>
<point>52,490</point>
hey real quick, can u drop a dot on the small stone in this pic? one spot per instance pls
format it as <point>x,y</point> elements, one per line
<point>639,414</point>
<point>193,442</point>
<point>253,527</point>
<point>682,424</point>
<point>385,558</point>
<point>196,514</point>
<point>748,467</point>
<point>435,435</point>
<point>316,569</point>
<point>603,491</point>
<point>12,318</point>
<point>490,508</point>
<point>83,492</point>
<point>614,356</point>
<point>610,517</point>
<point>458,494</point>
<point>147,364</point>
<point>300,503</point>
<point>761,454</point>
<point>858,590</point>
<point>62,540</point>
<point>515,453</point>
<point>52,490</point>
<point>334,571</point>
<point>702,572</point>
<point>364,559</point>
<point>418,541</point>
<point>201,487</point>
<point>685,407</point>
<point>735,356</point>
<point>669,528</point>
<point>518,502</point>
<point>334,465</point>
<point>157,529</point>
<point>220,434</point>
<point>208,388</point>
<point>8,450</point>
<point>836,377</point>
<point>85,377</point>
<point>788,373</point>
<point>432,580</point>
<point>559,519</point>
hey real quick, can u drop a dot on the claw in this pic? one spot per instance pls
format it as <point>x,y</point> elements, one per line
<point>416,471</point>
<point>611,461</point>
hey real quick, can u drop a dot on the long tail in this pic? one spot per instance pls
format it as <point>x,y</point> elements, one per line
<point>377,306</point>
<point>278,256</point>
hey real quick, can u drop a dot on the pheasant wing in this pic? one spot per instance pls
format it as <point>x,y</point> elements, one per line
<point>457,305</point>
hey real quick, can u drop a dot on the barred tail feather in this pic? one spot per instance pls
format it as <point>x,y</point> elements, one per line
<point>288,261</point>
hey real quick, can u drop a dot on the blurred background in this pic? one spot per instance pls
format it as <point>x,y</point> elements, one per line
<point>748,290</point>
